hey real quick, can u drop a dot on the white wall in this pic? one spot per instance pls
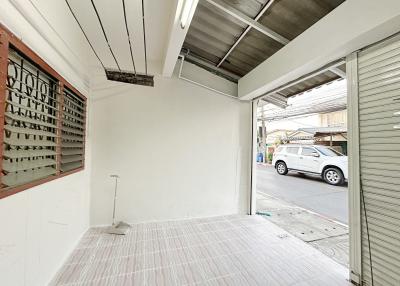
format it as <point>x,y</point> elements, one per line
<point>181,151</point>
<point>39,227</point>
<point>351,26</point>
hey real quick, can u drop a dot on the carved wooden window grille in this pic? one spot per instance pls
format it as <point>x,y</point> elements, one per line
<point>42,120</point>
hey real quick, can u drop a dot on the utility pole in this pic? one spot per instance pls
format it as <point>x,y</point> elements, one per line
<point>264,141</point>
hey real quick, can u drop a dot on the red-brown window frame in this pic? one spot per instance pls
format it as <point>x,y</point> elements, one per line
<point>8,39</point>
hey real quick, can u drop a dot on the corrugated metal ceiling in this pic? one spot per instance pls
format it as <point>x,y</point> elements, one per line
<point>213,32</point>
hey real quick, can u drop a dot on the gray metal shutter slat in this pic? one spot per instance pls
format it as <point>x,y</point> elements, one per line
<point>382,154</point>
<point>72,137</point>
<point>21,106</point>
<point>19,178</point>
<point>80,119</point>
<point>376,85</point>
<point>72,151</point>
<point>74,112</point>
<point>377,99</point>
<point>384,121</point>
<point>26,165</point>
<point>71,144</point>
<point>387,50</point>
<point>387,140</point>
<point>70,159</point>
<point>379,78</point>
<point>71,103</point>
<point>29,131</point>
<point>380,185</point>
<point>379,85</point>
<point>28,120</point>
<point>384,89</point>
<point>384,173</point>
<point>33,99</point>
<point>381,147</point>
<point>72,130</point>
<point>382,111</point>
<point>68,122</point>
<point>13,154</point>
<point>379,67</point>
<point>70,166</point>
<point>23,142</point>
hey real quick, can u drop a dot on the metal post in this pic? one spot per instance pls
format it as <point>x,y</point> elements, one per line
<point>115,196</point>
<point>264,148</point>
<point>355,263</point>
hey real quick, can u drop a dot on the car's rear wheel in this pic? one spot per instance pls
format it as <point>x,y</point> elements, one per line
<point>281,168</point>
<point>333,176</point>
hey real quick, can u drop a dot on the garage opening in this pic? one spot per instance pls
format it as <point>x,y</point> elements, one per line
<point>302,162</point>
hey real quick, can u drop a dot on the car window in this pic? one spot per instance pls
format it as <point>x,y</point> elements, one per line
<point>307,151</point>
<point>292,150</point>
<point>328,151</point>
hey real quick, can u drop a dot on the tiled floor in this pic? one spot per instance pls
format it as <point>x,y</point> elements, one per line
<point>229,250</point>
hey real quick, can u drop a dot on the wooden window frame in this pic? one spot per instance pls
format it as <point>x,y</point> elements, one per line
<point>7,40</point>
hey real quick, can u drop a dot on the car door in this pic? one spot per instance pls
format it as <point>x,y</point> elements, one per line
<point>292,157</point>
<point>309,159</point>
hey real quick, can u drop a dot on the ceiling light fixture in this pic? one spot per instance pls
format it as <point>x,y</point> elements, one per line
<point>187,7</point>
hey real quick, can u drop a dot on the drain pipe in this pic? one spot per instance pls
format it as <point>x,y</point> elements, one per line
<point>182,57</point>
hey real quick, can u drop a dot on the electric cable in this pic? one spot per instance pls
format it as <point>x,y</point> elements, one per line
<point>129,38</point>
<point>87,39</point>
<point>105,35</point>
<point>144,37</point>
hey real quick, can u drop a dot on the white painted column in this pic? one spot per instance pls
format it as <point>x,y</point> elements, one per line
<point>354,168</point>
<point>253,186</point>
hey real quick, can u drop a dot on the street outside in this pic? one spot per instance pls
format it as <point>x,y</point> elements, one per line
<point>309,192</point>
<point>307,208</point>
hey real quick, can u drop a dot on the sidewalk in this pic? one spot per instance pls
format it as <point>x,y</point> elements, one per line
<point>328,236</point>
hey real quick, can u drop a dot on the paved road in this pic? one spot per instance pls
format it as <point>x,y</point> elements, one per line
<point>309,192</point>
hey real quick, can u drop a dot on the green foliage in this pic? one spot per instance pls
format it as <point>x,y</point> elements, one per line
<point>270,155</point>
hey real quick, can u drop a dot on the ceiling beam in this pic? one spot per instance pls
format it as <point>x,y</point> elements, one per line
<point>247,20</point>
<point>177,36</point>
<point>191,58</point>
<point>258,16</point>
<point>338,71</point>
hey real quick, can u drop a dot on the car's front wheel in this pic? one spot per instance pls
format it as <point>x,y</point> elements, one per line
<point>281,168</point>
<point>333,176</point>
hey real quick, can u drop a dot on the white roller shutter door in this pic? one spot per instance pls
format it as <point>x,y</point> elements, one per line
<point>379,104</point>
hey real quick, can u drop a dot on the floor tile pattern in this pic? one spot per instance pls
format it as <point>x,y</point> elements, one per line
<point>226,250</point>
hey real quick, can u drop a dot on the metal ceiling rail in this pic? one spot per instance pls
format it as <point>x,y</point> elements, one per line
<point>249,21</point>
<point>263,10</point>
<point>325,68</point>
<point>200,84</point>
<point>207,64</point>
<point>338,71</point>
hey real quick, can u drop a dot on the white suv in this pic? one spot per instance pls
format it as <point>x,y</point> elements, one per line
<point>313,159</point>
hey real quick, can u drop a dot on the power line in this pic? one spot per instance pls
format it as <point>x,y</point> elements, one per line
<point>105,35</point>
<point>87,39</point>
<point>129,38</point>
